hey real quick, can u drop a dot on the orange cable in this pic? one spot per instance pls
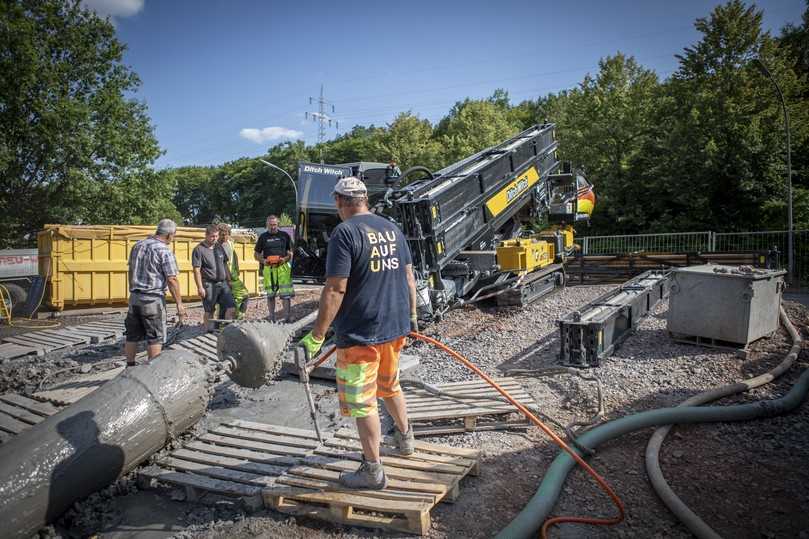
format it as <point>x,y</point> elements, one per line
<point>527,413</point>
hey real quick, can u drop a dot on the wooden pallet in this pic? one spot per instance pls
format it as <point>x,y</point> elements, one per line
<point>236,459</point>
<point>77,387</point>
<point>203,345</point>
<point>13,351</point>
<point>416,483</point>
<point>69,391</point>
<point>290,471</point>
<point>45,341</point>
<point>18,413</point>
<point>432,414</point>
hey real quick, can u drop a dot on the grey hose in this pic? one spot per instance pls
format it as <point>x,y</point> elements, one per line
<point>685,515</point>
<point>529,520</point>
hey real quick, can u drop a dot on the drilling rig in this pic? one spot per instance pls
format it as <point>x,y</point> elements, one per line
<point>497,224</point>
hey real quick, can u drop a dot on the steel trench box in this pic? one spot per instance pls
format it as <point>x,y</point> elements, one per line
<point>592,333</point>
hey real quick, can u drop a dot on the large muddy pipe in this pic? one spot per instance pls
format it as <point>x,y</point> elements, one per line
<point>88,445</point>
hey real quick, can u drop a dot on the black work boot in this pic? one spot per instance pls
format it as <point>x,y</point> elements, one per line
<point>405,441</point>
<point>369,476</point>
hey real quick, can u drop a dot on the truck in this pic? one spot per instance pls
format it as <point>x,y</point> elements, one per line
<point>497,224</point>
<point>18,271</point>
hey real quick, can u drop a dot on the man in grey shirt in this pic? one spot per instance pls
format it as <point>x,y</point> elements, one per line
<point>212,275</point>
<point>152,268</point>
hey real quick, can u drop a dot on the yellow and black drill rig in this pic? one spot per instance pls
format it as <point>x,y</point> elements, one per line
<point>471,226</point>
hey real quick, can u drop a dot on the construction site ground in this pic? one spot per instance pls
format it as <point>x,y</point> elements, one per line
<point>745,479</point>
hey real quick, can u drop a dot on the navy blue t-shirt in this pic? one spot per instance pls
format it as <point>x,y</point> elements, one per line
<point>373,253</point>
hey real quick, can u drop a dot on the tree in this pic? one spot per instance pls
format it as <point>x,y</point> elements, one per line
<point>795,39</point>
<point>73,148</point>
<point>409,141</point>
<point>720,142</point>
<point>473,126</point>
<point>360,144</point>
<point>602,126</point>
<point>193,196</point>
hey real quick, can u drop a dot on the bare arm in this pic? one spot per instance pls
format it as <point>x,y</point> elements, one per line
<point>198,280</point>
<point>330,300</point>
<point>411,285</point>
<point>174,288</point>
<point>289,251</point>
<point>228,274</point>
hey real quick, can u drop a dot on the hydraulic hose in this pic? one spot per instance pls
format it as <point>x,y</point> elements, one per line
<point>529,520</point>
<point>683,513</point>
<point>417,168</point>
<point>571,454</point>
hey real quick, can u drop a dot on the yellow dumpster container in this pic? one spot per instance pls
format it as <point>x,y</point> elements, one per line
<point>86,265</point>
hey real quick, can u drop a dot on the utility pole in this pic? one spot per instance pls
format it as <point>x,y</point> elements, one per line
<point>322,118</point>
<point>790,232</point>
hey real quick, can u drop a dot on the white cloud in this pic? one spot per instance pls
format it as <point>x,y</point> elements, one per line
<point>260,136</point>
<point>114,8</point>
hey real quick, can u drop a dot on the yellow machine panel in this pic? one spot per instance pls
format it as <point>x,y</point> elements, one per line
<point>87,265</point>
<point>522,183</point>
<point>566,232</point>
<point>524,254</point>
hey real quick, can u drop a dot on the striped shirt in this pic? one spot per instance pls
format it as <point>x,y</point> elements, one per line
<point>151,262</point>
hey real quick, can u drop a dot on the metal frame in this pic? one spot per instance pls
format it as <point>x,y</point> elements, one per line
<point>590,334</point>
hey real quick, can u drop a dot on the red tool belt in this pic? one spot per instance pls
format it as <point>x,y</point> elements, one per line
<point>274,260</point>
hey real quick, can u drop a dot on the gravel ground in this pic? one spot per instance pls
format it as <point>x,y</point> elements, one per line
<point>745,479</point>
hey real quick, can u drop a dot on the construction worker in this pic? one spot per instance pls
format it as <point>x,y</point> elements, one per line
<point>369,299</point>
<point>152,268</point>
<point>274,251</point>
<point>237,288</point>
<point>212,275</point>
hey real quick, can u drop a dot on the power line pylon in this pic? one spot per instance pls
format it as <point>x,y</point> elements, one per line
<point>322,118</point>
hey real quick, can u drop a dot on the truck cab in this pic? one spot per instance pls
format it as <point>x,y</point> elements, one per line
<point>318,213</point>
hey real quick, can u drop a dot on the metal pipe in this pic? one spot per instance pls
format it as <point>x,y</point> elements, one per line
<point>294,187</point>
<point>88,445</point>
<point>766,72</point>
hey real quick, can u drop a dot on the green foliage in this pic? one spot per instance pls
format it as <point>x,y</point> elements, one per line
<point>795,39</point>
<point>360,144</point>
<point>408,141</point>
<point>704,149</point>
<point>73,148</point>
<point>602,127</point>
<point>720,141</point>
<point>473,126</point>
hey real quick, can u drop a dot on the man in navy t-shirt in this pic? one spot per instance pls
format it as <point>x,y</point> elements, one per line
<point>369,299</point>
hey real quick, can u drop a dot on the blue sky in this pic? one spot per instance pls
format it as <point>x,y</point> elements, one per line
<point>224,80</point>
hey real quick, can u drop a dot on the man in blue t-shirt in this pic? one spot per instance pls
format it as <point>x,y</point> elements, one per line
<point>369,299</point>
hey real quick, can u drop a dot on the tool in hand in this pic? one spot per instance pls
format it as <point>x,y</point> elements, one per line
<point>306,366</point>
